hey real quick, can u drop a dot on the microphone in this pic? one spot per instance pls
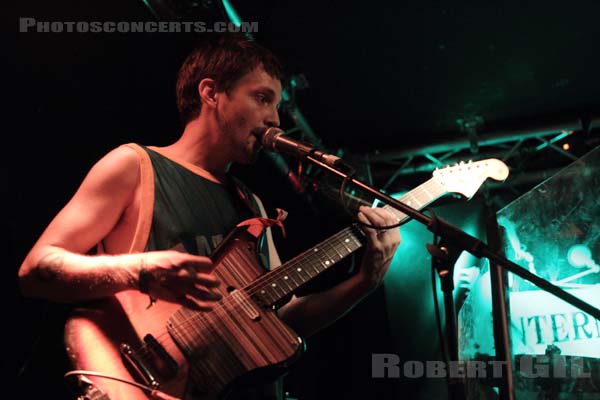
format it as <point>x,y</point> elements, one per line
<point>273,139</point>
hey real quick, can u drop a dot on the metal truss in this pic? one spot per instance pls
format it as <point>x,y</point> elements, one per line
<point>504,145</point>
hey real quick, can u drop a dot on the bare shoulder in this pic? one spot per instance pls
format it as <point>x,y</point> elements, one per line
<point>105,193</point>
<point>116,173</point>
<point>121,163</point>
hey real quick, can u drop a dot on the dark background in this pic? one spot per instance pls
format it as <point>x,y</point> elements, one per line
<point>380,78</point>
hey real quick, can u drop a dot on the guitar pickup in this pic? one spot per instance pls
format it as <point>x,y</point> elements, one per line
<point>245,304</point>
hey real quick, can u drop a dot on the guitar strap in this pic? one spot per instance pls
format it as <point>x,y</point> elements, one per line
<point>268,253</point>
<point>257,225</point>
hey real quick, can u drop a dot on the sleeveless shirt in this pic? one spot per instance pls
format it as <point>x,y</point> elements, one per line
<point>193,214</point>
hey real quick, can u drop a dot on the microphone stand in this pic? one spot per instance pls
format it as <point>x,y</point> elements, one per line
<point>449,242</point>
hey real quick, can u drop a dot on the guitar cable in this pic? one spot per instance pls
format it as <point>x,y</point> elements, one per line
<point>80,373</point>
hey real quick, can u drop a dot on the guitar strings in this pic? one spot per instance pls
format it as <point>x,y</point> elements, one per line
<point>421,188</point>
<point>229,302</point>
<point>220,311</point>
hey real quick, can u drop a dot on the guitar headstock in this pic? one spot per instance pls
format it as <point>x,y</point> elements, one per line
<point>466,178</point>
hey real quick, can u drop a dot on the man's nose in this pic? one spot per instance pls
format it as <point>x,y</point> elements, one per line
<point>273,118</point>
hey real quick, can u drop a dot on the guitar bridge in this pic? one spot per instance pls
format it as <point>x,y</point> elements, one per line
<point>162,362</point>
<point>133,361</point>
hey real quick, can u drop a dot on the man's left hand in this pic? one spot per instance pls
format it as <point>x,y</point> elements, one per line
<point>381,246</point>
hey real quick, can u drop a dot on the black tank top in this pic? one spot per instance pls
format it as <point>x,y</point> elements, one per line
<point>192,213</point>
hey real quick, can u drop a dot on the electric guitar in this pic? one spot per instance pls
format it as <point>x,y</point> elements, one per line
<point>204,355</point>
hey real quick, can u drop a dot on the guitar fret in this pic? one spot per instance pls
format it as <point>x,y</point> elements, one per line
<point>286,281</point>
<point>314,271</point>
<point>265,292</point>
<point>299,271</point>
<point>336,248</point>
<point>427,192</point>
<point>408,199</point>
<point>324,262</point>
<point>357,243</point>
<point>275,288</point>
<point>332,256</point>
<point>332,253</point>
<point>415,203</point>
<point>317,258</point>
<point>399,214</point>
<point>296,284</point>
<point>329,256</point>
<point>345,244</point>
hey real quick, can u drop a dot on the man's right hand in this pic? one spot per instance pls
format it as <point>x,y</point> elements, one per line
<point>180,278</point>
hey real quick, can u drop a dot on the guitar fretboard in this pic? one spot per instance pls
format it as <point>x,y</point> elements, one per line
<point>281,282</point>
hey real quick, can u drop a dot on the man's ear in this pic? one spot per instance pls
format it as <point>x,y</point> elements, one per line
<point>207,90</point>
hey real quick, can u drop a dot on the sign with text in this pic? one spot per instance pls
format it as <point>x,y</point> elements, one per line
<point>540,319</point>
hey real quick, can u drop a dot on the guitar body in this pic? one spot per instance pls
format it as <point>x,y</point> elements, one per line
<point>186,353</point>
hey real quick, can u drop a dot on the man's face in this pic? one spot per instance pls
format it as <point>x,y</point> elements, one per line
<point>248,107</point>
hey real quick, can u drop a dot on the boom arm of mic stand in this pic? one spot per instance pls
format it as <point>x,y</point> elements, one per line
<point>455,236</point>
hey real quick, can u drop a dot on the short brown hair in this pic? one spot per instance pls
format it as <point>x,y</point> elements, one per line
<point>225,58</point>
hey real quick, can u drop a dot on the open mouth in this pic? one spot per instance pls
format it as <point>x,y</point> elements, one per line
<point>258,133</point>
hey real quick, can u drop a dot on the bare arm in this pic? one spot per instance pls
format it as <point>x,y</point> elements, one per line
<point>309,314</point>
<point>57,267</point>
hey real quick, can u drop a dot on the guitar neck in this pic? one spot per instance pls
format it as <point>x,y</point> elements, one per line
<point>274,286</point>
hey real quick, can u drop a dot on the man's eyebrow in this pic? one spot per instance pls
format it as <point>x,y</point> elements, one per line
<point>269,92</point>
<point>266,89</point>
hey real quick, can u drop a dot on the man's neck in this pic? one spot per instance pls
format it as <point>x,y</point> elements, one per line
<point>199,145</point>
